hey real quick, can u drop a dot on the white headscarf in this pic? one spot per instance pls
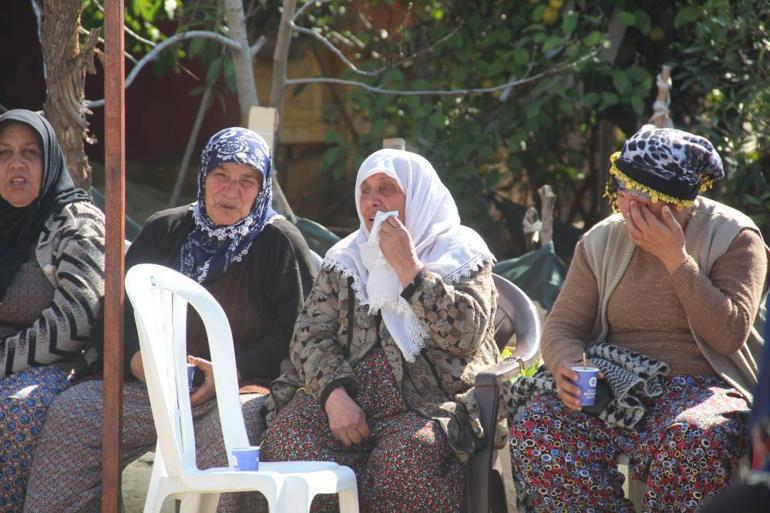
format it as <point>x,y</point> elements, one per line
<point>442,244</point>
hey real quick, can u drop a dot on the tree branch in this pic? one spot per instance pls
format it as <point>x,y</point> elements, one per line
<point>299,12</point>
<point>256,47</point>
<point>176,38</point>
<point>440,92</point>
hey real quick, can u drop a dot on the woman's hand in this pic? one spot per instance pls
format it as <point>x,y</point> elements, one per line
<point>566,385</point>
<point>137,367</point>
<point>347,421</point>
<point>398,249</point>
<point>207,390</point>
<point>662,237</point>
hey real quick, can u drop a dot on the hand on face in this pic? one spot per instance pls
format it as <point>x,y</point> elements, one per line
<point>381,193</point>
<point>21,165</point>
<point>398,249</point>
<point>655,230</point>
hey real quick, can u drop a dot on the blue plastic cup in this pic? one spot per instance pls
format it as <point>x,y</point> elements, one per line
<point>246,458</point>
<point>190,375</point>
<point>587,377</point>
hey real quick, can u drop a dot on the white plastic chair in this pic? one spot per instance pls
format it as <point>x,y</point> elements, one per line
<point>160,297</point>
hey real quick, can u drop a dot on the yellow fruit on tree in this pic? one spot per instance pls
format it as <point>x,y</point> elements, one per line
<point>550,15</point>
<point>555,4</point>
<point>657,35</point>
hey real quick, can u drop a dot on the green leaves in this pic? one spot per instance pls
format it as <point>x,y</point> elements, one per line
<point>626,18</point>
<point>620,81</point>
<point>685,16</point>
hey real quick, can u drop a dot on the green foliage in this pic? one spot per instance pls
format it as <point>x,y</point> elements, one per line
<point>547,130</point>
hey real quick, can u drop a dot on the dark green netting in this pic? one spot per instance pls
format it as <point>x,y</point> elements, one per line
<point>318,237</point>
<point>539,273</point>
<point>132,227</point>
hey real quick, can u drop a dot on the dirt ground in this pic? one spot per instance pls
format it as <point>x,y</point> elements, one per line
<point>136,479</point>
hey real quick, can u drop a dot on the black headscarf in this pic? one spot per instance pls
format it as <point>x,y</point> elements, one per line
<point>20,227</point>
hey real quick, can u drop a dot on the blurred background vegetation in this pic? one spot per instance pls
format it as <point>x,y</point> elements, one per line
<point>587,68</point>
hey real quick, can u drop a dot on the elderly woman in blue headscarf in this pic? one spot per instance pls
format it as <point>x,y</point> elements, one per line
<point>258,267</point>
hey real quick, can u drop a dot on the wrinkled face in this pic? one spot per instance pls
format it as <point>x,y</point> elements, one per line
<point>627,198</point>
<point>21,165</point>
<point>381,193</point>
<point>230,191</point>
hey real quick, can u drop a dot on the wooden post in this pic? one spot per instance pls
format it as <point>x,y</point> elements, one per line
<point>660,109</point>
<point>394,143</point>
<point>114,199</point>
<point>531,229</point>
<point>547,203</point>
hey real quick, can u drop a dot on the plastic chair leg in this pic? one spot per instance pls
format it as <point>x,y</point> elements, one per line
<point>199,503</point>
<point>349,501</point>
<point>294,497</point>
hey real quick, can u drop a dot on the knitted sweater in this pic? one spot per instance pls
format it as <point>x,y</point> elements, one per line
<point>698,320</point>
<point>70,253</point>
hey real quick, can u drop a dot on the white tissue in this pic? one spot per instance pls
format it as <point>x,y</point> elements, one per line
<point>379,218</point>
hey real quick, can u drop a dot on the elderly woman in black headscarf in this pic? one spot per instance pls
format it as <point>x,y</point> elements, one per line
<point>661,296</point>
<point>254,262</point>
<point>51,279</point>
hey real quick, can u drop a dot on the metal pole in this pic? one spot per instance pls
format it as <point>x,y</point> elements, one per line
<point>114,206</point>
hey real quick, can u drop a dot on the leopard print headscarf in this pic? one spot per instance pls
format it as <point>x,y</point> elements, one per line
<point>666,164</point>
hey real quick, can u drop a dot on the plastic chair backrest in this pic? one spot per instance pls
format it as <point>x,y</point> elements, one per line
<point>516,317</point>
<point>160,296</point>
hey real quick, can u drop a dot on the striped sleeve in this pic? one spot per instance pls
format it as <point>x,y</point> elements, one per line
<point>71,253</point>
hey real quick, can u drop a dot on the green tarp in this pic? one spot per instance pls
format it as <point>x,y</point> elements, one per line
<point>539,273</point>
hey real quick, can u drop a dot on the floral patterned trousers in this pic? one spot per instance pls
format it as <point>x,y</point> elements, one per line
<point>685,448</point>
<point>405,465</point>
<point>24,401</point>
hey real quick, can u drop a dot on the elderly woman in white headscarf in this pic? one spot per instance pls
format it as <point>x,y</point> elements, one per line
<point>398,323</point>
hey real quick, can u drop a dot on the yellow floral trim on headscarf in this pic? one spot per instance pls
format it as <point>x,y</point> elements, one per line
<point>610,191</point>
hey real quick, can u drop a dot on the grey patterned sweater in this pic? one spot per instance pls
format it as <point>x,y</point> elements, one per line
<point>70,253</point>
<point>459,316</point>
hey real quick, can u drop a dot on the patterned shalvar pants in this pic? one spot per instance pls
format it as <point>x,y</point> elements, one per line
<point>685,448</point>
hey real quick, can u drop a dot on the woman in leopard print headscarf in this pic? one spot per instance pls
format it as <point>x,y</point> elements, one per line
<point>678,278</point>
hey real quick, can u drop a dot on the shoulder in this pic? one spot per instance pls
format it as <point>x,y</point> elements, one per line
<point>333,276</point>
<point>716,213</point>
<point>603,228</point>
<point>168,219</point>
<point>280,229</point>
<point>78,221</point>
<point>75,215</point>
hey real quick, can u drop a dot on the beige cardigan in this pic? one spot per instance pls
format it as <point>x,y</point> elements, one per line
<point>710,231</point>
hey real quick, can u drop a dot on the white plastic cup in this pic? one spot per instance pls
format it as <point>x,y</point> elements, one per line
<point>246,458</point>
<point>587,377</point>
<point>190,375</point>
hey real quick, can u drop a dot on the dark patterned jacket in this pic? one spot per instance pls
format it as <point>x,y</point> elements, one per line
<point>438,384</point>
<point>70,252</point>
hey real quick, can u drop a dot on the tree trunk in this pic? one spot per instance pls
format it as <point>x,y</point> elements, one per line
<point>244,70</point>
<point>67,62</point>
<point>281,56</point>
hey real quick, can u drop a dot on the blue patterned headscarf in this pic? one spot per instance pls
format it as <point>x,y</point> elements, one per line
<point>210,249</point>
